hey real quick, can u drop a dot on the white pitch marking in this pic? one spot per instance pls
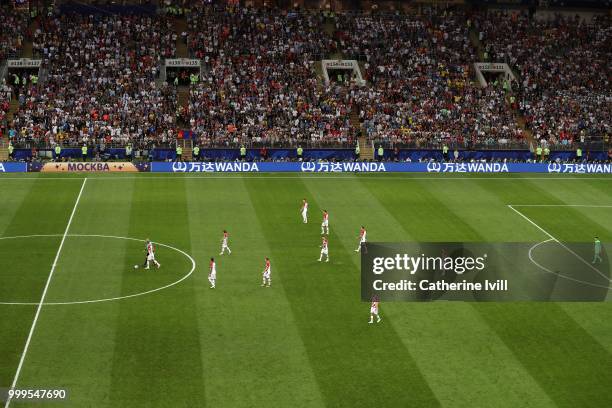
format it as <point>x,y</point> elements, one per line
<point>559,242</point>
<point>563,205</point>
<point>545,269</point>
<point>44,294</point>
<point>42,178</point>
<point>80,302</point>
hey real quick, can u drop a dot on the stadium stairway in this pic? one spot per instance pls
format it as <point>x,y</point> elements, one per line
<point>3,69</point>
<point>187,146</point>
<point>366,150</point>
<point>28,49</point>
<point>354,118</point>
<point>183,98</point>
<point>4,148</point>
<point>43,74</point>
<point>520,119</point>
<point>13,108</point>
<point>473,35</point>
<point>329,27</point>
<point>4,140</point>
<point>318,67</point>
<point>179,25</point>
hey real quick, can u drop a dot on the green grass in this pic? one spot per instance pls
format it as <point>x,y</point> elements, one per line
<point>305,342</point>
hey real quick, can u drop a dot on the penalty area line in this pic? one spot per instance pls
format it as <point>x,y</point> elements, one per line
<point>44,293</point>
<point>581,259</point>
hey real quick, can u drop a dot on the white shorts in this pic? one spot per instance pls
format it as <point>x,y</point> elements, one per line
<point>362,241</point>
<point>304,213</point>
<point>324,251</point>
<point>150,257</point>
<point>266,275</point>
<point>212,276</point>
<point>325,224</point>
<point>374,310</point>
<point>224,245</point>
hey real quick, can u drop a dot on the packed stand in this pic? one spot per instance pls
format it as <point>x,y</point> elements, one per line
<point>564,65</point>
<point>419,90</point>
<point>260,84</point>
<point>13,29</point>
<point>99,86</point>
<point>5,100</point>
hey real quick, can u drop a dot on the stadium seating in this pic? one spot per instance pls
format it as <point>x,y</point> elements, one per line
<point>261,82</point>
<point>260,85</point>
<point>564,69</point>
<point>13,30</point>
<point>99,82</point>
<point>420,91</point>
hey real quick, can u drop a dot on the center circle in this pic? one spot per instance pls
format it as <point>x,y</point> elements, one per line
<point>109,299</point>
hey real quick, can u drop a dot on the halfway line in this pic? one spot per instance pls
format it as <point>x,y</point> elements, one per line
<point>44,294</point>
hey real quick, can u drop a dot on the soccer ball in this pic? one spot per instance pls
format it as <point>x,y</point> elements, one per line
<point>135,266</point>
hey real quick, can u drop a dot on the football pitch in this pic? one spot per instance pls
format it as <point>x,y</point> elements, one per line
<point>75,314</point>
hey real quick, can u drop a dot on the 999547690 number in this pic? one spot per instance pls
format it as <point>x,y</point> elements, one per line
<point>33,394</point>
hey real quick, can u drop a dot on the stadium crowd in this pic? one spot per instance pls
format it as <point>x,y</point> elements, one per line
<point>419,89</point>
<point>261,84</point>
<point>13,31</point>
<point>564,68</point>
<point>99,82</point>
<point>6,94</point>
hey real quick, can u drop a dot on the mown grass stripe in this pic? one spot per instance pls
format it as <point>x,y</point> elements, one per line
<point>28,262</point>
<point>248,334</point>
<point>442,338</point>
<point>157,359</point>
<point>580,224</point>
<point>356,365</point>
<point>77,358</point>
<point>12,197</point>
<point>583,222</point>
<point>567,362</point>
